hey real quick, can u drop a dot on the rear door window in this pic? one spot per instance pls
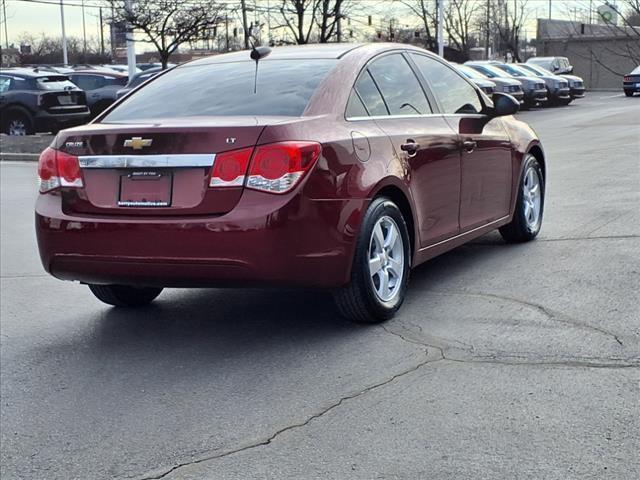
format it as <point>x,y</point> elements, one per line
<point>88,82</point>
<point>284,87</point>
<point>370,95</point>
<point>399,86</point>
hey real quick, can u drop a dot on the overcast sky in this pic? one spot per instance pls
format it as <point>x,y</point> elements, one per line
<point>35,18</point>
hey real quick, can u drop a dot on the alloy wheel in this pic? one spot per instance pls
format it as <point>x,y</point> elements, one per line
<point>532,198</point>
<point>386,259</point>
<point>17,127</point>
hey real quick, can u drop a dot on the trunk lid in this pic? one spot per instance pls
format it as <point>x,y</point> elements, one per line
<point>155,169</point>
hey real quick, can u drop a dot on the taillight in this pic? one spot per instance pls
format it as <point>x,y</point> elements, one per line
<point>230,168</point>
<point>278,167</point>
<point>274,168</point>
<point>58,169</point>
<point>627,79</point>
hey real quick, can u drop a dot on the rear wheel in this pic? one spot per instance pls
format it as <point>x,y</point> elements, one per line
<point>628,93</point>
<point>527,218</point>
<point>124,295</point>
<point>17,122</point>
<point>380,270</point>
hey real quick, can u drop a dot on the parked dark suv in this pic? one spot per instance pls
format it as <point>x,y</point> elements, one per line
<point>101,87</point>
<point>33,100</point>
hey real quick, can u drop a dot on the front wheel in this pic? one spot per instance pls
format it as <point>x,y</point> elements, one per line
<point>628,93</point>
<point>527,218</point>
<point>124,295</point>
<point>381,264</point>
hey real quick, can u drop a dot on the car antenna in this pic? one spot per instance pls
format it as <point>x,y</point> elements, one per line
<point>258,53</point>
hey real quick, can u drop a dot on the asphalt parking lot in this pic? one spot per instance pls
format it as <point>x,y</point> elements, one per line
<point>506,361</point>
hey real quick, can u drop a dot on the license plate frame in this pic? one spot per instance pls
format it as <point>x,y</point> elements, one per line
<point>145,189</point>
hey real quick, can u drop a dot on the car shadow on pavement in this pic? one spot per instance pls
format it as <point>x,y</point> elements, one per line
<point>234,320</point>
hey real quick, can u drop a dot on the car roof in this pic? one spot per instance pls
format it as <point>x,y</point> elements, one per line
<point>315,51</point>
<point>99,72</point>
<point>30,72</point>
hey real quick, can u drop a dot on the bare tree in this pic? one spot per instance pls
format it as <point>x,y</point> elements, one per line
<point>298,13</point>
<point>44,49</point>
<point>167,24</point>
<point>427,15</point>
<point>329,19</point>
<point>460,17</point>
<point>509,18</point>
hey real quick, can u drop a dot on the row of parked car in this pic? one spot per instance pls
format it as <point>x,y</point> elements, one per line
<point>47,99</point>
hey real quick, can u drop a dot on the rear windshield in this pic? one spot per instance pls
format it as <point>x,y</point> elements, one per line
<point>55,83</point>
<point>284,87</point>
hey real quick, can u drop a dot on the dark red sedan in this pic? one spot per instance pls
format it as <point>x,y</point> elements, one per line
<point>332,166</point>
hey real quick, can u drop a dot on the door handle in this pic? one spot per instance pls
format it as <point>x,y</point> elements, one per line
<point>469,145</point>
<point>411,147</point>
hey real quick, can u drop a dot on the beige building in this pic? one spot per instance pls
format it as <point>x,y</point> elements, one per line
<point>601,54</point>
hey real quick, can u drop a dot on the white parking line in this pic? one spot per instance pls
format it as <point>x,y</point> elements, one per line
<point>613,96</point>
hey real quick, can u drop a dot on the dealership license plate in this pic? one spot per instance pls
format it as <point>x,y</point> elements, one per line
<point>637,85</point>
<point>66,100</point>
<point>145,189</point>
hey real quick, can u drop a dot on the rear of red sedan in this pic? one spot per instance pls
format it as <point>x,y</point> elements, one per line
<point>192,181</point>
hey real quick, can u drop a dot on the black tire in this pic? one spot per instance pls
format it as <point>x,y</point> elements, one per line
<point>17,115</point>
<point>565,101</point>
<point>521,229</point>
<point>124,295</point>
<point>628,93</point>
<point>358,300</point>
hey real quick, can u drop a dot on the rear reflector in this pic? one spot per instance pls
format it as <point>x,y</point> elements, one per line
<point>58,169</point>
<point>278,167</point>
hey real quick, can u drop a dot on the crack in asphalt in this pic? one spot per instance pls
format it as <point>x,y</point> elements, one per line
<point>551,314</point>
<point>324,411</point>
<point>497,359</point>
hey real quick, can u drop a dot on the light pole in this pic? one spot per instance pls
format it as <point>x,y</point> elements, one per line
<point>65,58</point>
<point>131,47</point>
<point>440,30</point>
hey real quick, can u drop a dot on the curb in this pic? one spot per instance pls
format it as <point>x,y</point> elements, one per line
<point>19,157</point>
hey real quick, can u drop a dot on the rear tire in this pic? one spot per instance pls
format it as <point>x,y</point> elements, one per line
<point>527,218</point>
<point>381,265</point>
<point>17,122</point>
<point>628,93</point>
<point>124,295</point>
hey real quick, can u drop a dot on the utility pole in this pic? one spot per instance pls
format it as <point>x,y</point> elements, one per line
<point>101,34</point>
<point>226,30</point>
<point>6,34</point>
<point>338,27</point>
<point>440,34</point>
<point>131,46</point>
<point>486,43</point>
<point>65,58</point>
<point>549,9</point>
<point>243,6</point>
<point>84,36</point>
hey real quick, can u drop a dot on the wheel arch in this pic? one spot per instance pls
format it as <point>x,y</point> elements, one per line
<point>536,151</point>
<point>397,195</point>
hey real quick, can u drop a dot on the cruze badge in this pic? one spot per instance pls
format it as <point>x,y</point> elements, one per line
<point>138,143</point>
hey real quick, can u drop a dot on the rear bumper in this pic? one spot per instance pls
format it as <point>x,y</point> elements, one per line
<point>264,240</point>
<point>45,121</point>
<point>631,86</point>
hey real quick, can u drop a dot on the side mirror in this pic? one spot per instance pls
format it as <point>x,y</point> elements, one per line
<point>570,70</point>
<point>504,104</point>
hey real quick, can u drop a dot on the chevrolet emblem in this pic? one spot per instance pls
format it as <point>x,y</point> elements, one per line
<point>137,143</point>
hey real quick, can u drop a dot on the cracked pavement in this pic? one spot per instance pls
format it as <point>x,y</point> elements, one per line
<point>506,361</point>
